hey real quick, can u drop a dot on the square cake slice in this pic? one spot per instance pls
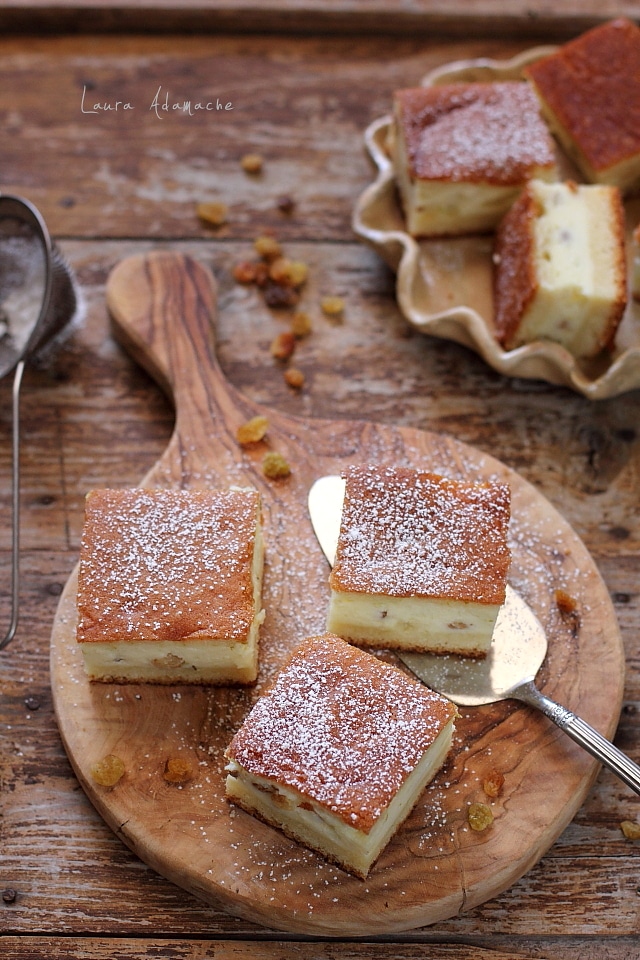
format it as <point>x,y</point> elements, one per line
<point>169,586</point>
<point>560,268</point>
<point>589,91</point>
<point>463,151</point>
<point>338,751</point>
<point>421,562</point>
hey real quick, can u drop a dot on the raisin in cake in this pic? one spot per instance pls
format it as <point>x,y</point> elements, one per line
<point>169,586</point>
<point>421,562</point>
<point>463,151</point>
<point>560,268</point>
<point>338,751</point>
<point>589,91</point>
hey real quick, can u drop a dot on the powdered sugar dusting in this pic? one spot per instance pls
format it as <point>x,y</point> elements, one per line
<point>341,727</point>
<point>475,131</point>
<point>411,533</point>
<point>166,564</point>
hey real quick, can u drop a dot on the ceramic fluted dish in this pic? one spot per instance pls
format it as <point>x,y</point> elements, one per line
<point>444,285</point>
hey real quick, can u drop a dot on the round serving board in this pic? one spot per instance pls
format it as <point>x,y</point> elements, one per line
<point>163,307</point>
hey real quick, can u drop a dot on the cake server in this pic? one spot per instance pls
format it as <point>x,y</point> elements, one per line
<point>518,648</point>
<point>37,302</point>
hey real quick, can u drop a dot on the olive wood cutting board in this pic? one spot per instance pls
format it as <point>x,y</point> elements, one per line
<point>163,307</point>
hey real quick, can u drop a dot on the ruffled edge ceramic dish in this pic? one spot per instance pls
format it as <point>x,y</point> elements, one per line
<point>443,286</point>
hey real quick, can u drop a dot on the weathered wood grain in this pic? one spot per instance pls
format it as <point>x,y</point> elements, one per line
<point>303,104</point>
<point>95,416</point>
<point>485,18</point>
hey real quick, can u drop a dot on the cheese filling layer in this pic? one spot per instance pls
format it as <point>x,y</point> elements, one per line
<point>578,283</point>
<point>315,826</point>
<point>413,623</point>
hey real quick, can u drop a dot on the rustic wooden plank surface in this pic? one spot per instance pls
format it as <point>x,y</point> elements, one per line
<point>108,188</point>
<point>462,18</point>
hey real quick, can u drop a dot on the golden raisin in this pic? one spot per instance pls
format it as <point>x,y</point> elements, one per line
<point>177,770</point>
<point>288,273</point>
<point>268,247</point>
<point>493,784</point>
<point>275,466</point>
<point>245,271</point>
<point>280,270</point>
<point>252,431</point>
<point>283,345</point>
<point>251,163</point>
<point>479,816</point>
<point>332,306</point>
<point>294,377</point>
<point>214,213</point>
<point>298,272</point>
<point>108,771</point>
<point>568,609</point>
<point>631,829</point>
<point>301,324</point>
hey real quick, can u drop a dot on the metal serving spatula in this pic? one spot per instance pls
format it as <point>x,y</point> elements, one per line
<point>518,648</point>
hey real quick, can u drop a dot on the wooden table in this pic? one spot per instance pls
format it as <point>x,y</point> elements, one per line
<point>304,80</point>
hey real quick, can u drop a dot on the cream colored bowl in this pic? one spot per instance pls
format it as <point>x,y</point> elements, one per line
<point>444,286</point>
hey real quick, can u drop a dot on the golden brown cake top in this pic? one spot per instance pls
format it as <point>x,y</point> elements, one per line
<point>474,132</point>
<point>167,565</point>
<point>592,86</point>
<point>342,728</point>
<point>409,533</point>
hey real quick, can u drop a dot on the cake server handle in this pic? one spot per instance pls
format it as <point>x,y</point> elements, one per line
<point>582,733</point>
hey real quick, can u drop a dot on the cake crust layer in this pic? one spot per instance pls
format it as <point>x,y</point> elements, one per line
<point>589,92</point>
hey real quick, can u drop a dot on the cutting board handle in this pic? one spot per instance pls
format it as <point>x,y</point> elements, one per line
<point>163,307</point>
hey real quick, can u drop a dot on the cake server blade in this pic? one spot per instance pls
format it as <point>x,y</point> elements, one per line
<point>518,648</point>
